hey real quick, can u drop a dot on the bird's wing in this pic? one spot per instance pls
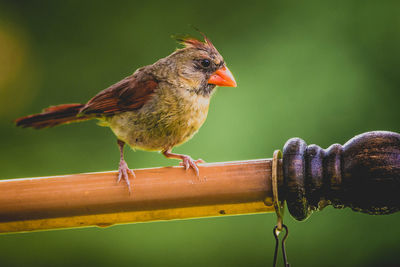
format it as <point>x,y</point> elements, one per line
<point>129,94</point>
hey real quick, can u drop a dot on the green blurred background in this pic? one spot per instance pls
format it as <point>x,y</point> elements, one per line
<point>320,70</point>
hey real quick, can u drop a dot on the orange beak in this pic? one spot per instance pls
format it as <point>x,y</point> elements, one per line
<point>222,77</point>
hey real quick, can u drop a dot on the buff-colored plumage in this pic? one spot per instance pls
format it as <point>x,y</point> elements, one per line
<point>168,120</point>
<point>175,112</point>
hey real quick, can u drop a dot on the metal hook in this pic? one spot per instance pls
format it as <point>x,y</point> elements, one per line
<point>276,232</point>
<point>279,209</point>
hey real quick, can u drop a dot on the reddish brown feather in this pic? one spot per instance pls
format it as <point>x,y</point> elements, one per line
<point>129,94</point>
<point>189,41</point>
<point>52,116</point>
<point>61,107</point>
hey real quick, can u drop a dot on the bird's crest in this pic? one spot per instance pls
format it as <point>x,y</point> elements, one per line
<point>190,41</point>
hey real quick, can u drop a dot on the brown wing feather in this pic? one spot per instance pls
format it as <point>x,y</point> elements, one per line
<point>129,94</point>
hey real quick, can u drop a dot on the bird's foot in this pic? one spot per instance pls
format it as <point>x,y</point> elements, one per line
<point>123,172</point>
<point>188,162</point>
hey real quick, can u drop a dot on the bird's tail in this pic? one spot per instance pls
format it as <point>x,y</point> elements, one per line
<point>53,116</point>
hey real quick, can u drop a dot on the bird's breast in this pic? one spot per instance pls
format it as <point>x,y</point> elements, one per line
<point>164,122</point>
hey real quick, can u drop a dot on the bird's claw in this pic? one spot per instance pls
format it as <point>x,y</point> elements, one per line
<point>123,172</point>
<point>188,162</point>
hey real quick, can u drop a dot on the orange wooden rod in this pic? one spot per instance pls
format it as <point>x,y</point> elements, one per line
<point>225,188</point>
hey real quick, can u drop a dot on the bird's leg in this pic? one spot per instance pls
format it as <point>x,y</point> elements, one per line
<point>123,170</point>
<point>187,161</point>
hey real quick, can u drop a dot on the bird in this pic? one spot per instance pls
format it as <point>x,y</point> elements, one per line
<point>157,108</point>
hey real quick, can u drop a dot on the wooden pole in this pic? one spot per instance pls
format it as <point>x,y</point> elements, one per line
<point>227,188</point>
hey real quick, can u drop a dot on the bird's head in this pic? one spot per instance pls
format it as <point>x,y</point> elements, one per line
<point>200,67</point>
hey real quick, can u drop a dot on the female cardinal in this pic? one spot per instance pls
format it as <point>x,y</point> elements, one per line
<point>156,108</point>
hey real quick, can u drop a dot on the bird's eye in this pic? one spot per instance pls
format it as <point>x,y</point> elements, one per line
<point>205,63</point>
